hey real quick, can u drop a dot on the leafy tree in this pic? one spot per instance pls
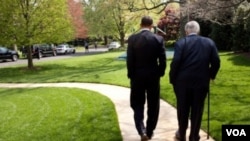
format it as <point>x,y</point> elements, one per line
<point>241,28</point>
<point>206,10</point>
<point>170,22</point>
<point>98,18</point>
<point>158,5</point>
<point>29,22</point>
<point>221,34</point>
<point>203,10</point>
<point>111,18</point>
<point>76,13</point>
<point>195,9</point>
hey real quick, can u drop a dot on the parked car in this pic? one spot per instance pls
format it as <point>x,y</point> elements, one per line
<point>72,49</point>
<point>114,45</point>
<point>6,54</point>
<point>65,49</point>
<point>46,50</point>
<point>41,50</point>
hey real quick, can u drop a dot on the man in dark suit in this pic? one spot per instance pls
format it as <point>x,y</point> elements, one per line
<point>146,63</point>
<point>195,62</point>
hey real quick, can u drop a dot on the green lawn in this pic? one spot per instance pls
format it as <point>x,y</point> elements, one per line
<point>56,114</point>
<point>229,98</point>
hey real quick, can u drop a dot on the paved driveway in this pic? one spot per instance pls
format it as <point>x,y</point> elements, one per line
<point>49,58</point>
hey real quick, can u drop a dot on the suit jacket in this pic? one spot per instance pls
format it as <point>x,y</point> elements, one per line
<point>146,55</point>
<point>195,61</point>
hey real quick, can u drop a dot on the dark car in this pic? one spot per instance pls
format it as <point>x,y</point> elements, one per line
<point>6,54</point>
<point>44,50</point>
<point>41,50</point>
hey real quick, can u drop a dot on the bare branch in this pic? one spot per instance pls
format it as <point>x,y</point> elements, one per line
<point>153,5</point>
<point>216,11</point>
<point>213,10</point>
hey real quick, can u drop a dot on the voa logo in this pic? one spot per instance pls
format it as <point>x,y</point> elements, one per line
<point>236,132</point>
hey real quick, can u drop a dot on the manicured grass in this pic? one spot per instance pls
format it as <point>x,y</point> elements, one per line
<point>56,114</point>
<point>102,68</point>
<point>229,96</point>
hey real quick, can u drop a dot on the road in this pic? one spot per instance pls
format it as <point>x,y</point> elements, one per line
<point>9,63</point>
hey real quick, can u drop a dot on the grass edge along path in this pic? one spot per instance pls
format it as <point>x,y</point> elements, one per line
<point>167,124</point>
<point>56,114</point>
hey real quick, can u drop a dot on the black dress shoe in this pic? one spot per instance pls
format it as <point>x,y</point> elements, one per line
<point>194,138</point>
<point>144,137</point>
<point>150,135</point>
<point>178,137</point>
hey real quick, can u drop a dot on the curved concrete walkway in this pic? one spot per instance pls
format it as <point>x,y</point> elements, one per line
<point>167,124</point>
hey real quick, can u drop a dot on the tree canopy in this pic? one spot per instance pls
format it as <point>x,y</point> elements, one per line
<point>112,18</point>
<point>227,19</point>
<point>28,22</point>
<point>76,13</point>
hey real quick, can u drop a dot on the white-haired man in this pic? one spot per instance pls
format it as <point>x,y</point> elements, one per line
<point>195,62</point>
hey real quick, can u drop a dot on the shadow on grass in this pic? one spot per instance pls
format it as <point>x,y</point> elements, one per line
<point>239,59</point>
<point>8,92</point>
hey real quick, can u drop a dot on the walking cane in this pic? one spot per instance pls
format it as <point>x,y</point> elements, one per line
<point>208,111</point>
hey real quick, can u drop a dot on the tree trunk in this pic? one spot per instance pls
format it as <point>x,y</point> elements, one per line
<point>106,40</point>
<point>122,39</point>
<point>29,57</point>
<point>15,47</point>
<point>183,18</point>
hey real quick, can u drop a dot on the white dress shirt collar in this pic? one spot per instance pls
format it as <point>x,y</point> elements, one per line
<point>144,29</point>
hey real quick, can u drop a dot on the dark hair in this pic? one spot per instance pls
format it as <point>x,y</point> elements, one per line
<point>146,21</point>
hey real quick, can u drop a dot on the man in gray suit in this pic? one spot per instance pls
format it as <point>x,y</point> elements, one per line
<point>146,63</point>
<point>195,63</point>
